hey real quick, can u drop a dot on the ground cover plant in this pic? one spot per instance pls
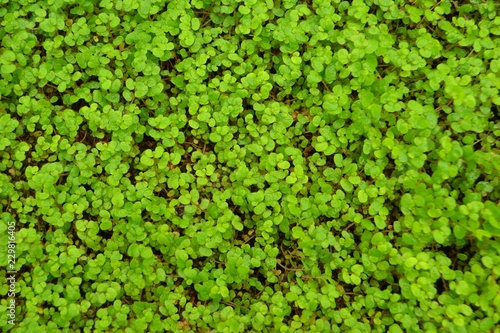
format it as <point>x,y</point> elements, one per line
<point>251,166</point>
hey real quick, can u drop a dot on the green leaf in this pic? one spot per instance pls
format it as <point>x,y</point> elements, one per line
<point>133,250</point>
<point>195,23</point>
<point>362,196</point>
<point>260,208</point>
<point>237,225</point>
<point>439,236</point>
<point>106,225</point>
<point>204,251</point>
<point>181,255</point>
<point>346,185</point>
<point>214,137</point>
<point>487,261</point>
<point>380,222</point>
<point>118,199</point>
<point>321,146</point>
<point>410,262</point>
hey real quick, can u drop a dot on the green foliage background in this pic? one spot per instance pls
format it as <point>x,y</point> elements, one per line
<point>245,166</point>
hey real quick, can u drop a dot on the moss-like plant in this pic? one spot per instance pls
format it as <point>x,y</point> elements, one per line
<point>237,166</point>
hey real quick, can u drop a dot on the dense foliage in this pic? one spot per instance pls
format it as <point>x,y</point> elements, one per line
<point>244,166</point>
